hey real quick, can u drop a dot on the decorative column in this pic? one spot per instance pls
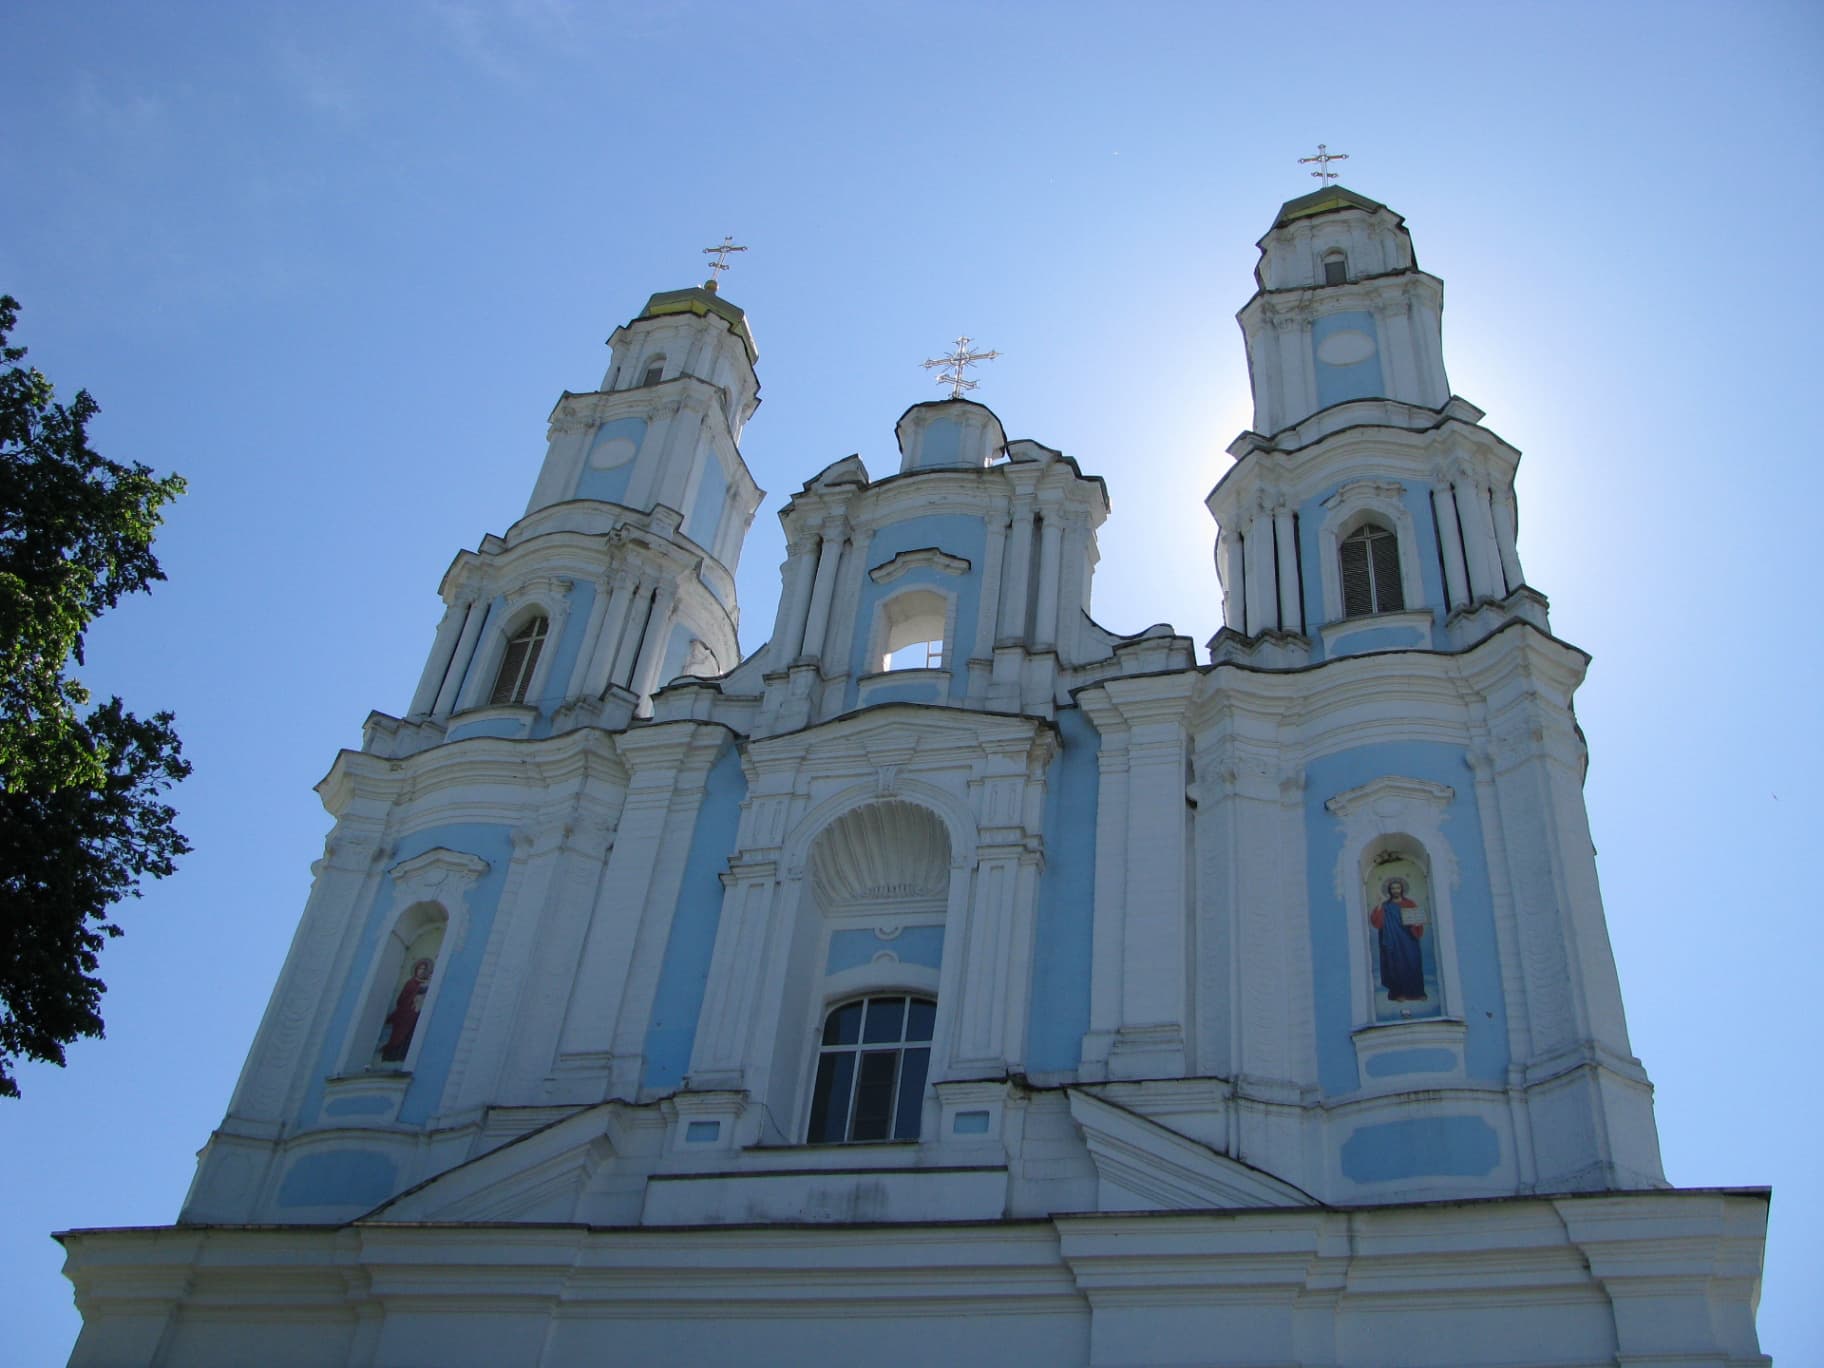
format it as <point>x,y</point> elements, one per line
<point>1019,569</point>
<point>1444,509</point>
<point>592,634</point>
<point>652,650</point>
<point>1290,618</point>
<point>1478,539</point>
<point>795,601</point>
<point>1262,599</point>
<point>817,623</point>
<point>443,647</point>
<point>608,631</point>
<point>1141,945</point>
<point>639,613</point>
<point>1045,630</point>
<point>1234,605</point>
<point>459,660</point>
<point>1506,538</point>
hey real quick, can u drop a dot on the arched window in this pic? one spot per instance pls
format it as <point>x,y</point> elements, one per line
<point>1336,269</point>
<point>915,626</point>
<point>655,372</point>
<point>520,660</point>
<point>1370,563</point>
<point>871,1070</point>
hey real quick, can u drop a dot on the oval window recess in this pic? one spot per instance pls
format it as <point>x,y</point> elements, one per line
<point>1345,348</point>
<point>611,452</point>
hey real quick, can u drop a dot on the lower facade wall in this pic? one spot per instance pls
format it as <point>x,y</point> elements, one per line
<point>1637,1278</point>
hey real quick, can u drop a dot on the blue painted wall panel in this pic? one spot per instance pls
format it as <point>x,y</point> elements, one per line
<point>920,945</point>
<point>610,485</point>
<point>952,533</point>
<point>1483,1009</point>
<point>1423,1147</point>
<point>1338,384</point>
<point>339,1178</point>
<point>457,974</point>
<point>1067,893</point>
<point>684,972</point>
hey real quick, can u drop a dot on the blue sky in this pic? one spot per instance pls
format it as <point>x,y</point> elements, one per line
<point>335,262</point>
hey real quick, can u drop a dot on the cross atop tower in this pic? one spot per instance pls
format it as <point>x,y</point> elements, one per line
<point>1323,159</point>
<point>720,254</point>
<point>953,366</point>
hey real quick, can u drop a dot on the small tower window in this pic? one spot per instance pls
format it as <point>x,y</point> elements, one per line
<point>1370,563</point>
<point>655,372</point>
<point>871,1070</point>
<point>1336,269</point>
<point>520,660</point>
<point>915,624</point>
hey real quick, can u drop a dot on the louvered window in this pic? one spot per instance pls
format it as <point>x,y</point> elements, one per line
<point>1370,559</point>
<point>520,660</point>
<point>871,1070</point>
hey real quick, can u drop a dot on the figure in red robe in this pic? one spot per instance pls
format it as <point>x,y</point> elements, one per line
<point>402,1021</point>
<point>1400,930</point>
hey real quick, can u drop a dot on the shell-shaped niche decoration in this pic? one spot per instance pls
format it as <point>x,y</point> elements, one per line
<point>888,851</point>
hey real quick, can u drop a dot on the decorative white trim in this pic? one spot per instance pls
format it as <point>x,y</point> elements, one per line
<point>881,629</point>
<point>924,558</point>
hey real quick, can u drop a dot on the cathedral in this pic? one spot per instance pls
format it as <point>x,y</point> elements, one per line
<point>954,980</point>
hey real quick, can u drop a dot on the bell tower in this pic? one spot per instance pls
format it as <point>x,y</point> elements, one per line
<point>620,575</point>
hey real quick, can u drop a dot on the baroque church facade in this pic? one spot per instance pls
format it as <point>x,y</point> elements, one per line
<point>953,979</point>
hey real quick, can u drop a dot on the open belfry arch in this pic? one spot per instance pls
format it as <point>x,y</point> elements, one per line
<point>955,979</point>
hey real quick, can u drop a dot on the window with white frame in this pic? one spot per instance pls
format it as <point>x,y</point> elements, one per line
<point>1336,269</point>
<point>520,659</point>
<point>1369,564</point>
<point>655,372</point>
<point>871,1069</point>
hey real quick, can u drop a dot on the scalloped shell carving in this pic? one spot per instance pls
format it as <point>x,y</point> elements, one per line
<point>889,850</point>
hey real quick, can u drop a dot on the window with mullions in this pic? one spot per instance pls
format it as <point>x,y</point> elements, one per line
<point>520,660</point>
<point>1370,558</point>
<point>871,1070</point>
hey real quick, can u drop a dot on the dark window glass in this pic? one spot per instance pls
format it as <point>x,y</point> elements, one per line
<point>912,1069</point>
<point>654,373</point>
<point>830,1100</point>
<point>886,1020</point>
<point>518,662</point>
<point>874,1095</point>
<point>1369,561</point>
<point>844,1025</point>
<point>871,1070</point>
<point>1336,271</point>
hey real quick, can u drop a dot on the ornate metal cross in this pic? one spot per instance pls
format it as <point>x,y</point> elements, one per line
<point>720,254</point>
<point>1323,159</point>
<point>953,366</point>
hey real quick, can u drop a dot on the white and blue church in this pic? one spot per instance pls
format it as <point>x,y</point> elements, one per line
<point>953,979</point>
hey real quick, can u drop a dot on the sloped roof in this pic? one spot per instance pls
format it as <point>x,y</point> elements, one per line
<point>1324,201</point>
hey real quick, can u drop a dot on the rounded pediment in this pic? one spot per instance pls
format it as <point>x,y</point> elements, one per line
<point>888,851</point>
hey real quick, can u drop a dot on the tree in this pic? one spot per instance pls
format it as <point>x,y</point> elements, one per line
<point>82,819</point>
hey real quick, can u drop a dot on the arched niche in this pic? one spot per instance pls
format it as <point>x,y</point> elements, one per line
<point>873,907</point>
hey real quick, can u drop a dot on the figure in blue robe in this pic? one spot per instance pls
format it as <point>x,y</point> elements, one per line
<point>1402,966</point>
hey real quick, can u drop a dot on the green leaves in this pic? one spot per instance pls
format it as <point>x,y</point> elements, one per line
<point>82,818</point>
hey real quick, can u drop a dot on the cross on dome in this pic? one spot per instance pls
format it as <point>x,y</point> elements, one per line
<point>1323,159</point>
<point>720,254</point>
<point>953,366</point>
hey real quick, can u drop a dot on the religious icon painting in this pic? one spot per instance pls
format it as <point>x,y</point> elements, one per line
<point>1402,940</point>
<point>406,1005</point>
